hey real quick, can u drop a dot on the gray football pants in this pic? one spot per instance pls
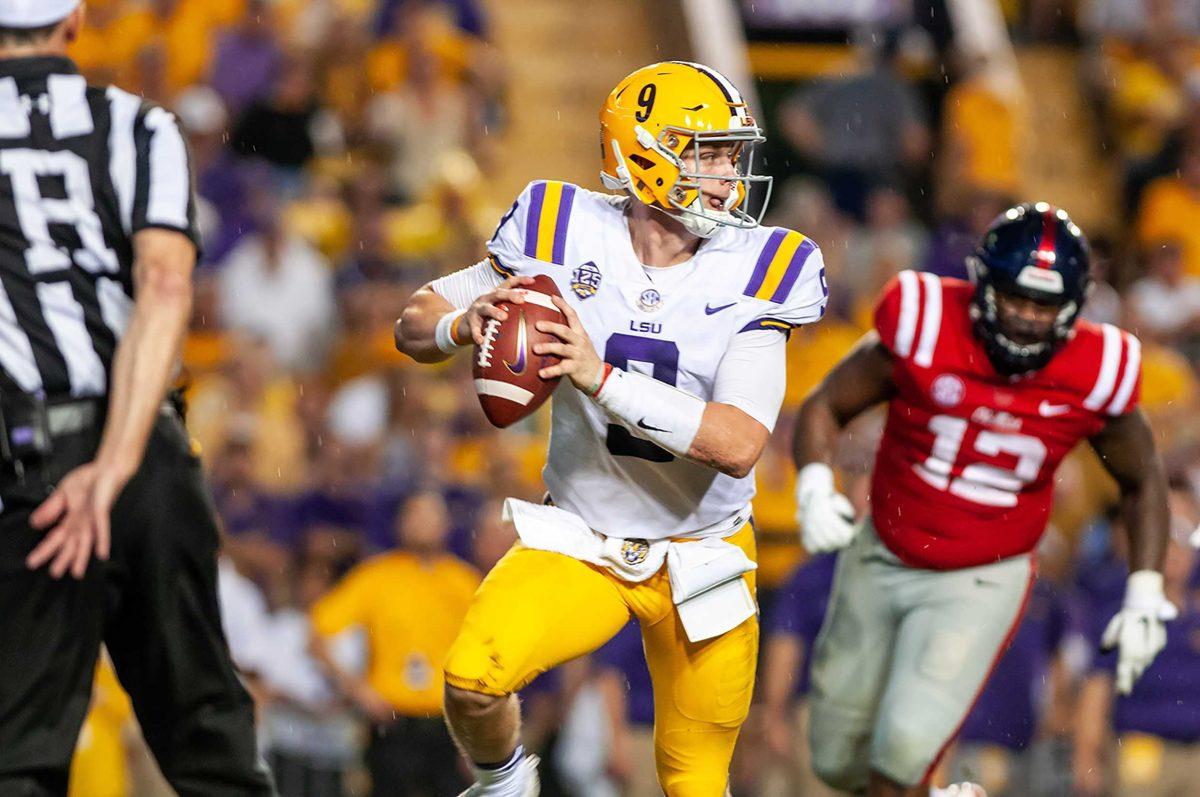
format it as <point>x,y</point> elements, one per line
<point>901,658</point>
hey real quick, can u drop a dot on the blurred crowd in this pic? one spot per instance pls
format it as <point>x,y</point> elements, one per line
<point>341,149</point>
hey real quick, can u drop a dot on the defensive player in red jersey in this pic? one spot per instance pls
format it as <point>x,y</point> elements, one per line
<point>989,384</point>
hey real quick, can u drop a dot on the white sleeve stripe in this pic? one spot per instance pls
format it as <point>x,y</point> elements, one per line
<point>1133,365</point>
<point>16,352</point>
<point>906,327</point>
<point>931,323</point>
<point>115,305</point>
<point>70,114</point>
<point>14,116</point>
<point>122,165</point>
<point>1109,362</point>
<point>64,316</point>
<point>170,183</point>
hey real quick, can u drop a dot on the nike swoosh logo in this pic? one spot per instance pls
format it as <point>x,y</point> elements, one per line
<point>643,425</point>
<point>1048,410</point>
<point>518,368</point>
<point>709,309</point>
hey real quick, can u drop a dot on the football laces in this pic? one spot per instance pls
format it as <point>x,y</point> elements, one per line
<point>490,329</point>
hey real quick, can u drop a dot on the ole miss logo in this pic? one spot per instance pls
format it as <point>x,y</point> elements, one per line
<point>947,390</point>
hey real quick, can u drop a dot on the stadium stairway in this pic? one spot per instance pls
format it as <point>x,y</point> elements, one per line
<point>1062,157</point>
<point>563,58</point>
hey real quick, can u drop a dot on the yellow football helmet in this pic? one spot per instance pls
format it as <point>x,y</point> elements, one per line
<point>649,121</point>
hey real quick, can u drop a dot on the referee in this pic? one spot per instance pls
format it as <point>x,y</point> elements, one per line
<point>106,531</point>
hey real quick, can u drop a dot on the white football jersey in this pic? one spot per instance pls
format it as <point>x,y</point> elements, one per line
<point>673,324</point>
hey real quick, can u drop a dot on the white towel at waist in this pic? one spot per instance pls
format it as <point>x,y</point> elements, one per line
<point>710,595</point>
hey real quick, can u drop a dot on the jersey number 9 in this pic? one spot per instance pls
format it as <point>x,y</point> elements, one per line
<point>663,357</point>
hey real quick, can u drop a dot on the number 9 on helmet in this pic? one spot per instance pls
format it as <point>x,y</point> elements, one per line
<point>652,128</point>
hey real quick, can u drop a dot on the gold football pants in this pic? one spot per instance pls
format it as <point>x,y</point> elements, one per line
<point>536,610</point>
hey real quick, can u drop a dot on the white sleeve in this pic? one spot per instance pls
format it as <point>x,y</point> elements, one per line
<point>753,375</point>
<point>466,285</point>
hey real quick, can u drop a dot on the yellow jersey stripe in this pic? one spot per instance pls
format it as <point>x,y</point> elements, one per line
<point>548,220</point>
<point>779,265</point>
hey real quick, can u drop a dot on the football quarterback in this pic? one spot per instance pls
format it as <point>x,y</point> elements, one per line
<point>676,312</point>
<point>989,385</point>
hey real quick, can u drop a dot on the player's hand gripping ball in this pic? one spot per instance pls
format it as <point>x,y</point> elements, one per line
<point>505,367</point>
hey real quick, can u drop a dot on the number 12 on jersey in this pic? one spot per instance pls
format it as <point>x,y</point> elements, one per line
<point>980,482</point>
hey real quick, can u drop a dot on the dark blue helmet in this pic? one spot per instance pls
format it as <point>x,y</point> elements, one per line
<point>1036,252</point>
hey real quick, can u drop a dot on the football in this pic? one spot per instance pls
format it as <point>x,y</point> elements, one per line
<point>505,367</point>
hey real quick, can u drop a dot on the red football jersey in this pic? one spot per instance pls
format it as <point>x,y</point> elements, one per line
<point>964,474</point>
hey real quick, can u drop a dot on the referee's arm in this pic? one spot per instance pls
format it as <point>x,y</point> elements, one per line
<point>144,363</point>
<point>161,221</point>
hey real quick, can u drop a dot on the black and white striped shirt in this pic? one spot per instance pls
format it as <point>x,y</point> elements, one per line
<point>82,169</point>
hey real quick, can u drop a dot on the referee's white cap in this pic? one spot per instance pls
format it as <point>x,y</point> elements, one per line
<point>34,13</point>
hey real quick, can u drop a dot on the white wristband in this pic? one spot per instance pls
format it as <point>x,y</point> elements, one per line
<point>813,478</point>
<point>664,415</point>
<point>443,333</point>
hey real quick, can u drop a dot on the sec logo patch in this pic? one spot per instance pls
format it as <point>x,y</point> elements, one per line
<point>947,390</point>
<point>650,300</point>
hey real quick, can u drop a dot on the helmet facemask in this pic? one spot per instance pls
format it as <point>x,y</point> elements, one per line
<point>1009,355</point>
<point>686,195</point>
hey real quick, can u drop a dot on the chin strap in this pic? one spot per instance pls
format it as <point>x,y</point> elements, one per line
<point>696,222</point>
<point>612,183</point>
<point>623,181</point>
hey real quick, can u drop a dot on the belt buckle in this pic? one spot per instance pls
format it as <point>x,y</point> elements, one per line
<point>24,428</point>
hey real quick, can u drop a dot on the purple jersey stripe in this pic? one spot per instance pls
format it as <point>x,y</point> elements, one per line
<point>764,262</point>
<point>794,268</point>
<point>559,255</point>
<point>536,196</point>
